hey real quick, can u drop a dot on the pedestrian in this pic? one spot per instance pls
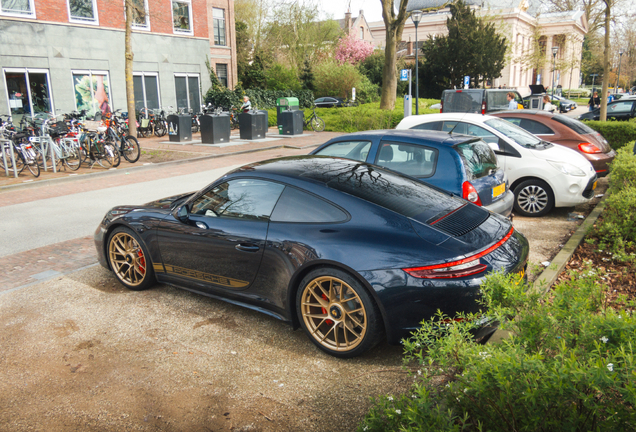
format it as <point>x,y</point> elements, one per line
<point>547,105</point>
<point>247,105</point>
<point>594,102</point>
<point>609,97</point>
<point>512,103</point>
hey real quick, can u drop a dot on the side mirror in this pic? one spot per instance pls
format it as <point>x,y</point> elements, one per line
<point>182,213</point>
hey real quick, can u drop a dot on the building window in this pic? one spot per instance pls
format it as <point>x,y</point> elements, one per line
<point>221,73</point>
<point>92,91</point>
<point>219,26</point>
<point>182,16</point>
<point>19,8</point>
<point>140,15</point>
<point>28,92</point>
<point>82,11</point>
<point>361,32</point>
<point>146,91</point>
<point>188,92</point>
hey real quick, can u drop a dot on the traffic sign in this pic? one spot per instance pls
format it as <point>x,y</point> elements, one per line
<point>466,81</point>
<point>404,74</point>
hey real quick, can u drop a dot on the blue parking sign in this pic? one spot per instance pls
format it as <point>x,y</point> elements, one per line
<point>466,80</point>
<point>404,74</point>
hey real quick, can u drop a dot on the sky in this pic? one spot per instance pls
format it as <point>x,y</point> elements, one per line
<point>337,8</point>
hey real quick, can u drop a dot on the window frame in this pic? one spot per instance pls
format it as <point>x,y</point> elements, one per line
<point>143,75</point>
<point>92,73</point>
<point>27,71</point>
<point>145,26</point>
<point>186,76</point>
<point>189,32</point>
<point>79,20</point>
<point>312,195</point>
<point>31,14</point>
<point>216,71</point>
<point>389,142</point>
<point>214,21</point>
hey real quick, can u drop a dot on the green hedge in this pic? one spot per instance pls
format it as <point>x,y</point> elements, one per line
<point>261,99</point>
<point>617,133</point>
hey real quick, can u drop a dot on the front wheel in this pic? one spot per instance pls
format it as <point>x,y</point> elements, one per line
<point>337,313</point>
<point>317,124</point>
<point>74,157</point>
<point>130,149</point>
<point>533,198</point>
<point>129,260</point>
<point>160,128</point>
<point>110,157</point>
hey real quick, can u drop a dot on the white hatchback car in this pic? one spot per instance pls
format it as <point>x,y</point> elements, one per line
<point>541,174</point>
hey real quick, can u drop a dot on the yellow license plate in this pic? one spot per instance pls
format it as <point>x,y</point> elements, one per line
<point>498,190</point>
<point>594,185</point>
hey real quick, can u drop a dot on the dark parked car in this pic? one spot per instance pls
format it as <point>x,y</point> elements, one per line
<point>348,251</point>
<point>571,133</point>
<point>463,165</point>
<point>622,109</point>
<point>478,101</point>
<point>565,105</point>
<point>328,102</point>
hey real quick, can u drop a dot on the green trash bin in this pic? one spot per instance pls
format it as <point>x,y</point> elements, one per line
<point>284,104</point>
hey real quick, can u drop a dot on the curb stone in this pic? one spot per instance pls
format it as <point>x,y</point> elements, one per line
<point>547,278</point>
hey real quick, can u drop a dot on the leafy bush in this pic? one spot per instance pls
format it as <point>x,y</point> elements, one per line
<point>568,367</point>
<point>367,91</point>
<point>617,133</point>
<point>261,99</point>
<point>617,227</point>
<point>280,77</point>
<point>334,79</point>
<point>623,170</point>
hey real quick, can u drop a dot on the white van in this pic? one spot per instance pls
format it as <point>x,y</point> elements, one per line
<point>542,175</point>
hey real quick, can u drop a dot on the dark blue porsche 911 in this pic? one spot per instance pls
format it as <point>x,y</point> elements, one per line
<point>348,251</point>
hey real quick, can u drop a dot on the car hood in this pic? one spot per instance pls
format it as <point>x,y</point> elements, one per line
<point>559,153</point>
<point>166,203</point>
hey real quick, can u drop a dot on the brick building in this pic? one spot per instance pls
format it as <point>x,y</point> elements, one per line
<point>64,55</point>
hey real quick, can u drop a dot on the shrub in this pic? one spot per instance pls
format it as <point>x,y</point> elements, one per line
<point>569,367</point>
<point>279,77</point>
<point>367,92</point>
<point>617,227</point>
<point>617,133</point>
<point>333,79</point>
<point>261,99</point>
<point>623,170</point>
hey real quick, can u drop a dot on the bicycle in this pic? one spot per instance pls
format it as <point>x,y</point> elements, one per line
<point>18,153</point>
<point>313,121</point>
<point>116,133</point>
<point>234,121</point>
<point>67,149</point>
<point>98,151</point>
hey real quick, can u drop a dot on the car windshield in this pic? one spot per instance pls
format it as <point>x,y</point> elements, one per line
<point>514,132</point>
<point>478,157</point>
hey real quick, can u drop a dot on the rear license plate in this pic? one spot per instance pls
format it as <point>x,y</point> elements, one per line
<point>594,185</point>
<point>498,190</point>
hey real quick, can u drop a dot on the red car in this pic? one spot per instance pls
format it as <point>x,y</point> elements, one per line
<point>566,131</point>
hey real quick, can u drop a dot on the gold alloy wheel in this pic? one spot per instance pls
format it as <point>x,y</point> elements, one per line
<point>127,259</point>
<point>334,313</point>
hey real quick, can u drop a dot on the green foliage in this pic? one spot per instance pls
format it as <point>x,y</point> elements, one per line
<point>279,77</point>
<point>307,76</point>
<point>242,48</point>
<point>617,133</point>
<point>333,79</point>
<point>253,75</point>
<point>367,91</point>
<point>373,66</point>
<point>623,170</point>
<point>568,367</point>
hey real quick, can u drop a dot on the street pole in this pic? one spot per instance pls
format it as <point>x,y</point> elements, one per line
<point>416,16</point>
<point>593,76</point>
<point>554,53</point>
<point>618,80</point>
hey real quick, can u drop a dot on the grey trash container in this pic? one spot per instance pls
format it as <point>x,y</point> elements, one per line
<point>180,127</point>
<point>215,129</point>
<point>253,125</point>
<point>291,122</point>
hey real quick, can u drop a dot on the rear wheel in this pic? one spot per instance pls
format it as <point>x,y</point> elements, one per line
<point>533,198</point>
<point>160,128</point>
<point>129,260</point>
<point>110,157</point>
<point>131,149</point>
<point>337,313</point>
<point>317,124</point>
<point>74,158</point>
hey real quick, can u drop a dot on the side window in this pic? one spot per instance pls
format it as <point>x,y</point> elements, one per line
<point>534,127</point>
<point>298,206</point>
<point>435,126</point>
<point>482,133</point>
<point>620,107</point>
<point>356,150</point>
<point>515,121</point>
<point>249,199</point>
<point>414,160</point>
<point>319,100</point>
<point>455,127</point>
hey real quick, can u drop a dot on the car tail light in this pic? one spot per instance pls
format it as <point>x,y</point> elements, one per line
<point>456,269</point>
<point>483,108</point>
<point>470,193</point>
<point>441,108</point>
<point>589,148</point>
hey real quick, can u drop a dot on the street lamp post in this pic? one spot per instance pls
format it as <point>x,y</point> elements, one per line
<point>618,80</point>
<point>416,16</point>
<point>554,53</point>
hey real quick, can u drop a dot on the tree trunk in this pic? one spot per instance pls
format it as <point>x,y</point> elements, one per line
<point>606,60</point>
<point>130,88</point>
<point>389,77</point>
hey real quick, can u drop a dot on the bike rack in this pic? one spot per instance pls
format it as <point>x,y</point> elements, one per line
<point>7,144</point>
<point>44,144</point>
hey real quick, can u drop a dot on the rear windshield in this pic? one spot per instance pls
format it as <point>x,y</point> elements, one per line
<point>497,101</point>
<point>462,101</point>
<point>520,136</point>
<point>575,125</point>
<point>478,157</point>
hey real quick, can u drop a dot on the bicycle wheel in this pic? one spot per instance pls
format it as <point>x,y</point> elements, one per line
<point>33,166</point>
<point>160,128</point>
<point>109,158</point>
<point>130,149</point>
<point>317,123</point>
<point>73,158</point>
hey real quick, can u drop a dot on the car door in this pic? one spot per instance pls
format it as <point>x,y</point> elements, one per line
<point>218,243</point>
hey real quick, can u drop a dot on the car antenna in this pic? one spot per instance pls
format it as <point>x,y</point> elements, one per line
<point>450,132</point>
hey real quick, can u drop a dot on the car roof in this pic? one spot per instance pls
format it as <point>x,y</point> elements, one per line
<point>527,112</point>
<point>415,120</point>
<point>432,137</point>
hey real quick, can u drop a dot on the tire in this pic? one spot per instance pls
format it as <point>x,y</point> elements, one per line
<point>128,258</point>
<point>131,149</point>
<point>317,124</point>
<point>110,157</point>
<point>533,198</point>
<point>74,159</point>
<point>33,167</point>
<point>341,329</point>
<point>160,128</point>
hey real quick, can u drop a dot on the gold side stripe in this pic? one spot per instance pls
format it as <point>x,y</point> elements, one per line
<point>206,277</point>
<point>158,267</point>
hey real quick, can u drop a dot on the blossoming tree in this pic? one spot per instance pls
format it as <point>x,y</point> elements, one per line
<point>352,50</point>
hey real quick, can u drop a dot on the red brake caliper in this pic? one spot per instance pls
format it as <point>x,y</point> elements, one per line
<point>142,262</point>
<point>329,322</point>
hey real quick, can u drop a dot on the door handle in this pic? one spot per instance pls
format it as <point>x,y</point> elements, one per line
<point>247,247</point>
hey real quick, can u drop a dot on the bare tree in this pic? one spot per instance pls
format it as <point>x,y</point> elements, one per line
<point>130,88</point>
<point>394,25</point>
<point>593,10</point>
